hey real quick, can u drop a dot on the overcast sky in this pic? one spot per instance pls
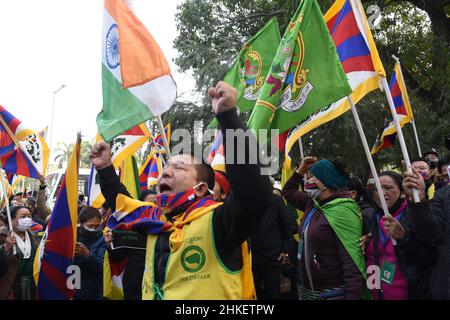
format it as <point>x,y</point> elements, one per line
<point>46,43</point>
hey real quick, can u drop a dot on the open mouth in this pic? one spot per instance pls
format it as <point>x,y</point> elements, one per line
<point>164,188</point>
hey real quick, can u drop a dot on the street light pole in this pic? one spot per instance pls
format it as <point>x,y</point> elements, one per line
<point>53,115</point>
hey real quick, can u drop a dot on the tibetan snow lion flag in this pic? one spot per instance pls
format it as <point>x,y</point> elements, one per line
<point>22,151</point>
<point>349,29</point>
<point>150,170</point>
<point>136,79</point>
<point>158,142</point>
<point>122,147</point>
<point>54,256</point>
<point>403,108</point>
<point>216,156</point>
<point>305,75</point>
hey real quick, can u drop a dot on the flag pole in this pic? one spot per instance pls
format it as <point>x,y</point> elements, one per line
<point>416,136</point>
<point>300,145</point>
<point>5,195</point>
<point>13,137</point>
<point>369,156</point>
<point>401,139</point>
<point>152,143</point>
<point>163,135</point>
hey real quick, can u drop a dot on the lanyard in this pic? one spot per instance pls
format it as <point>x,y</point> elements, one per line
<point>385,237</point>
<point>308,219</point>
<point>304,227</point>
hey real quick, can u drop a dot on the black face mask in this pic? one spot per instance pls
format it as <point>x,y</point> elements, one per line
<point>89,234</point>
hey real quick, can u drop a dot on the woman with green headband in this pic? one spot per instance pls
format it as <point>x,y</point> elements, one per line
<point>331,261</point>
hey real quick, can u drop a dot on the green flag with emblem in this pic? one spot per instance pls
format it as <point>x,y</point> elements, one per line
<point>305,75</point>
<point>251,66</point>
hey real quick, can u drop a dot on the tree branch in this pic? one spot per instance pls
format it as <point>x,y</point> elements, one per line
<point>258,15</point>
<point>415,85</point>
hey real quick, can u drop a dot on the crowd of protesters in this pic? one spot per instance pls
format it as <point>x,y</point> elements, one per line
<point>324,236</point>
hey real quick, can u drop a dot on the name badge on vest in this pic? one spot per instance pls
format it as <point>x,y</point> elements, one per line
<point>387,272</point>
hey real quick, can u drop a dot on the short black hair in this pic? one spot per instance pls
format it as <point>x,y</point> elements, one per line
<point>395,176</point>
<point>88,213</point>
<point>146,193</point>
<point>14,210</point>
<point>419,159</point>
<point>205,172</point>
<point>432,151</point>
<point>441,164</point>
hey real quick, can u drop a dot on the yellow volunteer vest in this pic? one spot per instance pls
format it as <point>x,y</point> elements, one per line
<point>194,271</point>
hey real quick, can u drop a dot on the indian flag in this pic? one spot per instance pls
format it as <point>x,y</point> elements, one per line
<point>136,80</point>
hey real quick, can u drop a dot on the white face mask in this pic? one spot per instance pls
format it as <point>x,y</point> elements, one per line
<point>92,229</point>
<point>315,192</point>
<point>24,224</point>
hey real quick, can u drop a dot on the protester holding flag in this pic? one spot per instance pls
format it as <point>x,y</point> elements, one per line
<point>405,267</point>
<point>431,222</point>
<point>331,262</point>
<point>89,252</point>
<point>217,231</point>
<point>26,243</point>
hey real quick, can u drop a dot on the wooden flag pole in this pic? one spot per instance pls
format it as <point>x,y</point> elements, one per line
<point>369,156</point>
<point>416,136</point>
<point>5,195</point>
<point>401,139</point>
<point>163,135</point>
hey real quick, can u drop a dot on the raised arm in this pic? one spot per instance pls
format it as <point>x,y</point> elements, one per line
<point>109,181</point>
<point>251,192</point>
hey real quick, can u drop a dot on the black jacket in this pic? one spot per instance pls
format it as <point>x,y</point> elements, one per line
<point>431,224</point>
<point>415,257</point>
<point>4,263</point>
<point>91,268</point>
<point>134,271</point>
<point>273,235</point>
<point>234,221</point>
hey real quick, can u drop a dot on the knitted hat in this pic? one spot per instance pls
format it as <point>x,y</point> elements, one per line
<point>326,172</point>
